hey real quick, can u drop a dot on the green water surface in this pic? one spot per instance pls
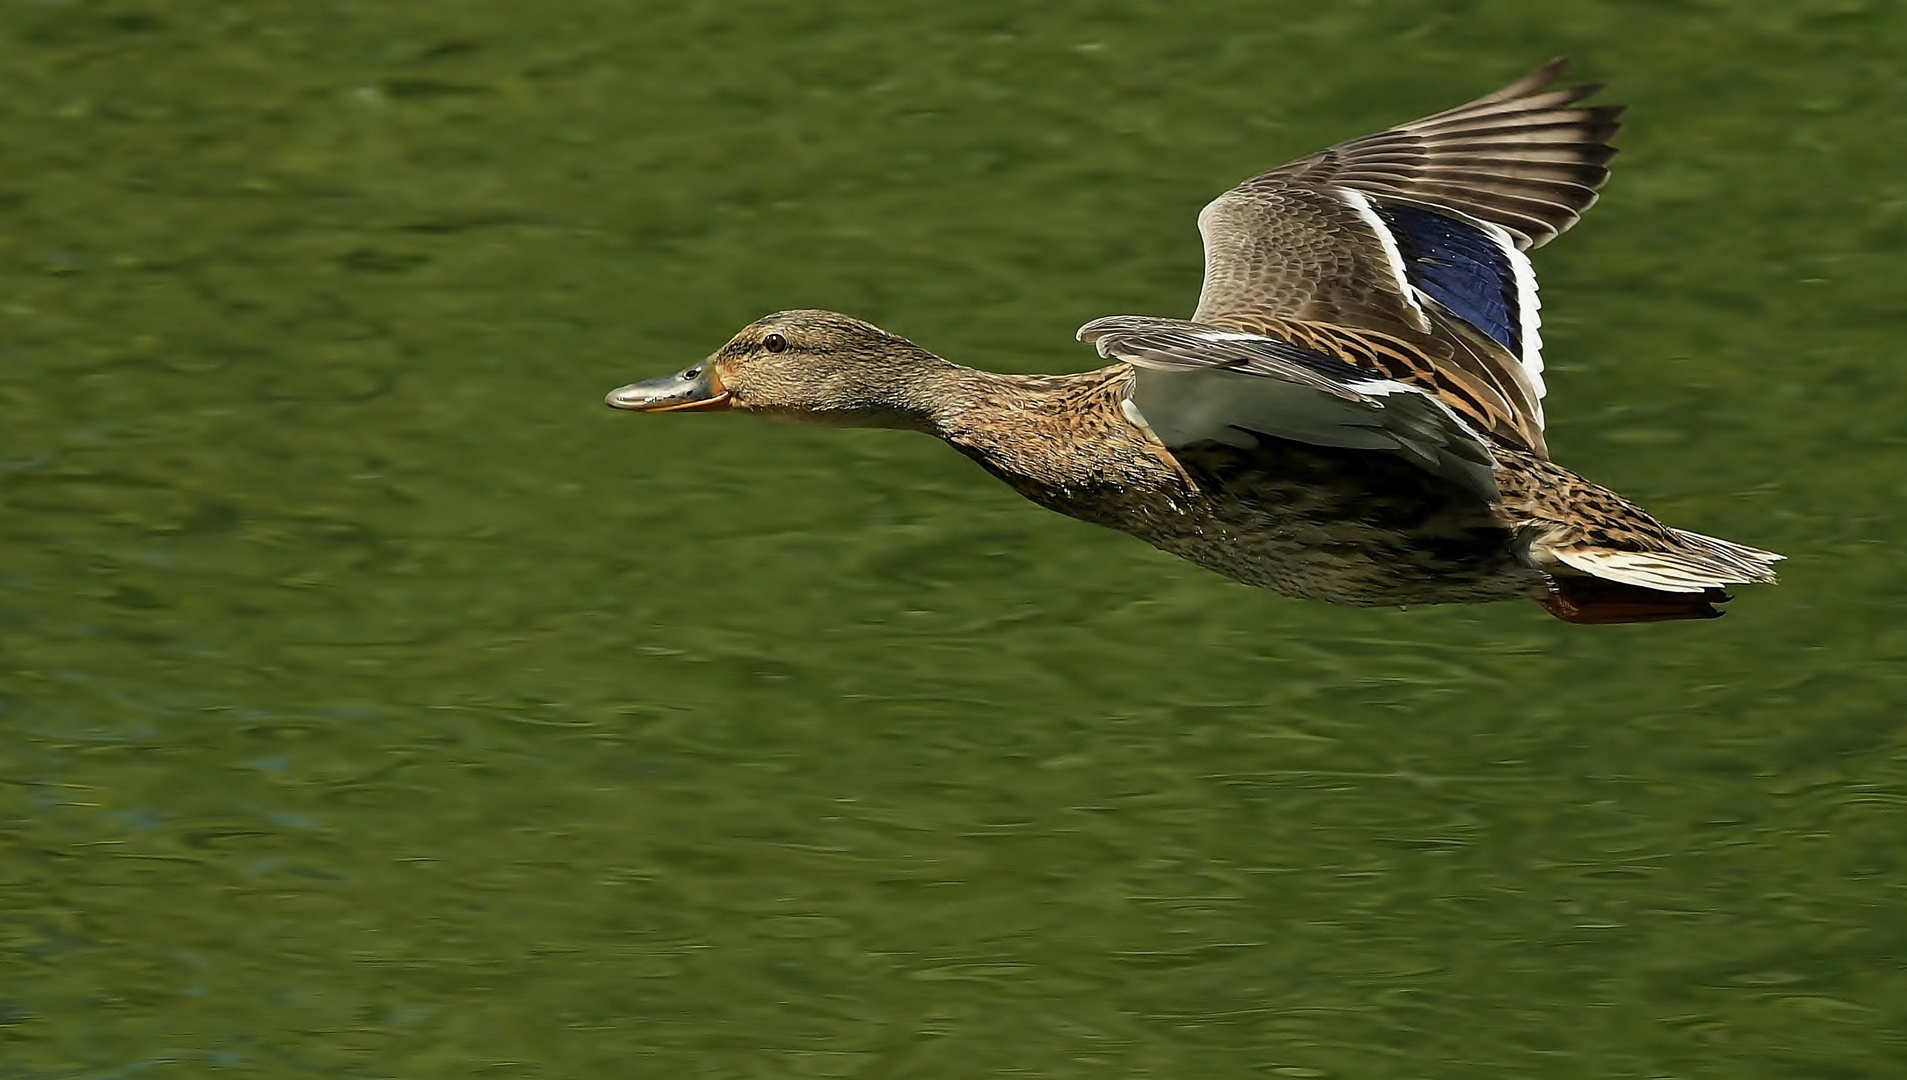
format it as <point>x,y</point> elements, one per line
<point>374,703</point>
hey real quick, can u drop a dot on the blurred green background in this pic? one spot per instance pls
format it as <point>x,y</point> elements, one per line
<point>374,703</point>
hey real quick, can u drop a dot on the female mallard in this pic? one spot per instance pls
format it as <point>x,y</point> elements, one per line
<point>1353,414</point>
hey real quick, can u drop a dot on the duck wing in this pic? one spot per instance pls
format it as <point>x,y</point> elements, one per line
<point>1419,232</point>
<point>1198,383</point>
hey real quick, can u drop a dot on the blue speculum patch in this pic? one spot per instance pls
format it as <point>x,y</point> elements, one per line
<point>1460,267</point>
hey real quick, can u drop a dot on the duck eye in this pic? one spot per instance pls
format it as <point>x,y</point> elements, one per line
<point>774,343</point>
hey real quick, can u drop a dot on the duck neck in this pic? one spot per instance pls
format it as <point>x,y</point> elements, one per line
<point>957,398</point>
<point>931,395</point>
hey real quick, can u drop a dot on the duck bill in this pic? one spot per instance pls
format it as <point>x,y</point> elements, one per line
<point>682,392</point>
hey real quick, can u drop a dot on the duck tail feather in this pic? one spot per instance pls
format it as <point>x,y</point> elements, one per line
<point>1689,564</point>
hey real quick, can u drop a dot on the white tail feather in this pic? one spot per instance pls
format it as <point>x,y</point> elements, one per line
<point>1702,562</point>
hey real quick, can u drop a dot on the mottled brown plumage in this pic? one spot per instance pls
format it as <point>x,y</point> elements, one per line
<point>1352,415</point>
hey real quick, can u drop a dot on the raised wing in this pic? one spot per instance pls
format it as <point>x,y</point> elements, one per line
<point>1200,383</point>
<point>1419,232</point>
<point>1525,160</point>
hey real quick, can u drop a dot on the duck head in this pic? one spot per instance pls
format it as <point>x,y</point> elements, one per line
<point>816,366</point>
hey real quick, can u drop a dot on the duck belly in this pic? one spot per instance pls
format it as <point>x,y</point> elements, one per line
<point>1347,561</point>
<point>1338,525</point>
